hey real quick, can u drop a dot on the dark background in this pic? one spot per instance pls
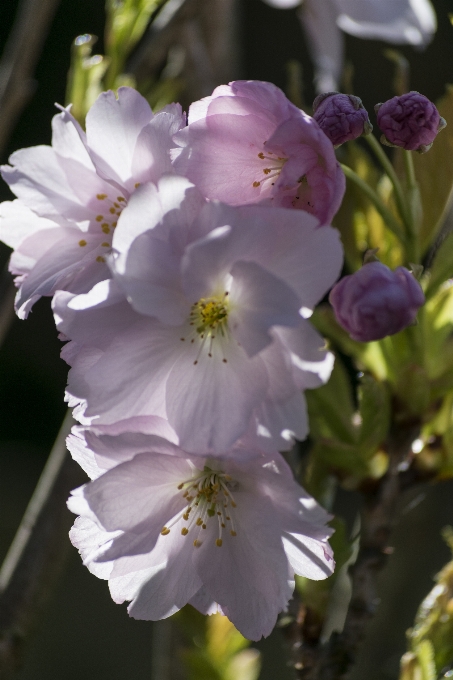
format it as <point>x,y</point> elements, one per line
<point>83,633</point>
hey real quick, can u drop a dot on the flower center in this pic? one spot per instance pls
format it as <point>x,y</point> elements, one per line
<point>273,166</point>
<point>208,317</point>
<point>209,498</point>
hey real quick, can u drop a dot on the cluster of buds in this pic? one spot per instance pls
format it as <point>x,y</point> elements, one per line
<point>375,301</point>
<point>410,121</point>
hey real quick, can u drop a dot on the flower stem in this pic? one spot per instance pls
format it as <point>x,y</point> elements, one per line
<point>374,197</point>
<point>390,171</point>
<point>414,206</point>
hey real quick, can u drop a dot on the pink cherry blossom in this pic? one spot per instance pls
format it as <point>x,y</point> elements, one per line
<point>71,194</point>
<point>211,337</point>
<point>247,143</point>
<point>166,529</point>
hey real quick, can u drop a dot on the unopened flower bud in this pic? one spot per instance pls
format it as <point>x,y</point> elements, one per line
<point>342,117</point>
<point>410,121</point>
<point>375,301</point>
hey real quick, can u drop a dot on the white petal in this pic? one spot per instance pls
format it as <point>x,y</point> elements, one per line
<point>113,126</point>
<point>209,403</point>
<point>172,586</point>
<point>89,539</point>
<point>247,575</point>
<point>396,21</point>
<point>283,4</point>
<point>17,222</point>
<point>325,42</point>
<point>141,491</point>
<point>259,301</point>
<point>309,557</point>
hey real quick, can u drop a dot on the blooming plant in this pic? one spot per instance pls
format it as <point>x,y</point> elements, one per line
<point>196,283</point>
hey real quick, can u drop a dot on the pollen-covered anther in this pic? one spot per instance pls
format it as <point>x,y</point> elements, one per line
<point>208,503</point>
<point>82,243</point>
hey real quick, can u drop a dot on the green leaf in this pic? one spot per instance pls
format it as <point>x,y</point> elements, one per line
<point>217,650</point>
<point>442,266</point>
<point>434,173</point>
<point>85,76</point>
<point>361,225</point>
<point>341,457</point>
<point>374,409</point>
<point>425,655</point>
<point>432,635</point>
<point>331,409</point>
<point>244,666</point>
<point>436,322</point>
<point>126,23</point>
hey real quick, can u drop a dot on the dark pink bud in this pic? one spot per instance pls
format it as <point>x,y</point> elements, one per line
<point>341,117</point>
<point>410,121</point>
<point>376,301</point>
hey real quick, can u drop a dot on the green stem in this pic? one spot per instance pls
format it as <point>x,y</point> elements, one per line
<point>414,205</point>
<point>390,170</point>
<point>410,171</point>
<point>384,212</point>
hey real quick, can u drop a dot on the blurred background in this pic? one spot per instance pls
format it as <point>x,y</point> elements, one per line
<point>81,632</point>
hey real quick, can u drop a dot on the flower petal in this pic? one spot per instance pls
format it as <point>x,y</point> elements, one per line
<point>113,126</point>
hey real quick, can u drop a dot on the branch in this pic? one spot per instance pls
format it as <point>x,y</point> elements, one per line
<point>19,60</point>
<point>37,553</point>
<point>334,660</point>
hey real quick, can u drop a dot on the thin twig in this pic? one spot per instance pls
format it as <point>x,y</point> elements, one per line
<point>19,60</point>
<point>37,552</point>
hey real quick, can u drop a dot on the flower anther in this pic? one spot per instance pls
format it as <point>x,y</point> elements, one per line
<point>209,497</point>
<point>276,164</point>
<point>209,316</point>
<point>109,212</point>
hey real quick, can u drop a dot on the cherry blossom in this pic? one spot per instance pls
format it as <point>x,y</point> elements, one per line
<point>71,194</point>
<point>247,143</point>
<point>211,337</point>
<point>166,529</point>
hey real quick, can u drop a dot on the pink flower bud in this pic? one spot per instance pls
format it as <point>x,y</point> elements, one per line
<point>410,121</point>
<point>342,117</point>
<point>375,301</point>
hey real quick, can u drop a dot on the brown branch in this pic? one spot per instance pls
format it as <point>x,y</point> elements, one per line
<point>334,660</point>
<point>19,60</point>
<point>37,553</point>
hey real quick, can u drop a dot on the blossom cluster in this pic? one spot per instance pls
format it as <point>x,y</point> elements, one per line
<point>184,259</point>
